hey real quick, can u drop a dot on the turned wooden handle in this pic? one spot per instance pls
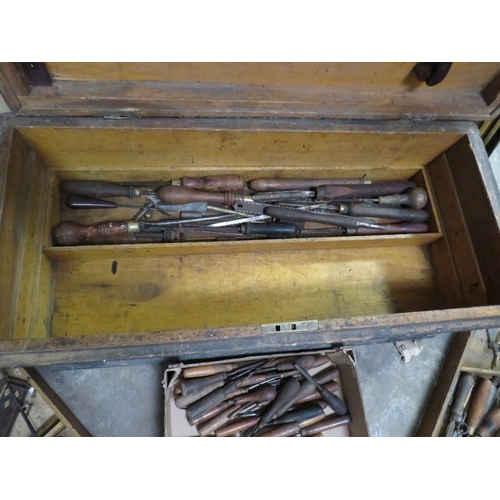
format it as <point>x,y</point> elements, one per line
<point>178,195</point>
<point>326,424</point>
<point>307,361</point>
<point>313,394</point>
<point>462,392</point>
<point>214,183</point>
<point>184,400</point>
<point>99,189</point>
<point>303,412</point>
<point>218,421</point>
<point>363,190</point>
<point>240,425</point>
<point>206,370</point>
<point>307,390</point>
<point>478,404</point>
<point>292,184</point>
<point>72,233</point>
<point>490,424</point>
<point>394,213</point>
<point>208,414</point>
<point>261,395</point>
<point>190,386</point>
<point>415,198</point>
<point>284,430</point>
<point>287,393</point>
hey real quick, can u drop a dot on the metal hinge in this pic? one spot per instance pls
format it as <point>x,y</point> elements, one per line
<point>296,326</point>
<point>117,117</point>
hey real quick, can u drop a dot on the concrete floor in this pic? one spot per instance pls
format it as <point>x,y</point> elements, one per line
<point>128,400</point>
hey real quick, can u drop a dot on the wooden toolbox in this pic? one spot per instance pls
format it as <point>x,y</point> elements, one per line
<point>192,301</point>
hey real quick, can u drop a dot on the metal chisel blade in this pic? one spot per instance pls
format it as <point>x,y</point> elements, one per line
<point>240,221</point>
<point>249,207</point>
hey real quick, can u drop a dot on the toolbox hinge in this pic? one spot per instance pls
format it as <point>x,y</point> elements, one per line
<point>118,117</point>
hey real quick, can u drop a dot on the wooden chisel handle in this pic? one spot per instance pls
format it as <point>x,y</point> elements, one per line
<point>184,400</point>
<point>206,370</point>
<point>199,383</point>
<point>415,198</point>
<point>100,189</point>
<point>397,214</point>
<point>262,395</point>
<point>239,425</point>
<point>178,195</point>
<point>326,424</point>
<point>462,392</point>
<point>292,428</point>
<point>478,404</point>
<point>286,393</point>
<point>362,190</point>
<point>71,233</point>
<point>220,183</point>
<point>490,424</point>
<point>313,394</point>
<point>208,414</point>
<point>291,184</point>
<point>218,421</point>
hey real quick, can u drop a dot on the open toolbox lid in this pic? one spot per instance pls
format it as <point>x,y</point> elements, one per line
<point>469,91</point>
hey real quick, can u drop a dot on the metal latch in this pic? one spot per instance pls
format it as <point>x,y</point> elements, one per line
<point>296,326</point>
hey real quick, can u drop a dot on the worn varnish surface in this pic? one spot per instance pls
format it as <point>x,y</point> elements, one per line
<point>26,274</point>
<point>285,90</point>
<point>249,152</point>
<point>471,77</point>
<point>175,293</point>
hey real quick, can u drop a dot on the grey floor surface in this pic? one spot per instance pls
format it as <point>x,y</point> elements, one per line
<point>128,400</point>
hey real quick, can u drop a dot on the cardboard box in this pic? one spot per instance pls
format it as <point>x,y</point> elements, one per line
<point>176,424</point>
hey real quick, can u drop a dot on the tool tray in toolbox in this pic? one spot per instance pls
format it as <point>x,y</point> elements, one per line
<point>202,300</point>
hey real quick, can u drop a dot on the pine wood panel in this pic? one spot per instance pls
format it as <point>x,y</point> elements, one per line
<point>479,198</point>
<point>472,77</point>
<point>19,164</point>
<point>460,246</point>
<point>144,250</point>
<point>34,272</point>
<point>172,293</point>
<point>111,149</point>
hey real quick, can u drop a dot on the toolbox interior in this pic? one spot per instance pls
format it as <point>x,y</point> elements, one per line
<point>50,291</point>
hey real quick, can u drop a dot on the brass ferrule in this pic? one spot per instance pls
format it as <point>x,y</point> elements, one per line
<point>133,227</point>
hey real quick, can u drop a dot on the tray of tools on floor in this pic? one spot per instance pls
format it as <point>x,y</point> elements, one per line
<point>306,395</point>
<point>227,207</point>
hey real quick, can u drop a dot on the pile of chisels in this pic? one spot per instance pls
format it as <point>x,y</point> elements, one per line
<point>270,397</point>
<point>475,407</point>
<point>226,207</point>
